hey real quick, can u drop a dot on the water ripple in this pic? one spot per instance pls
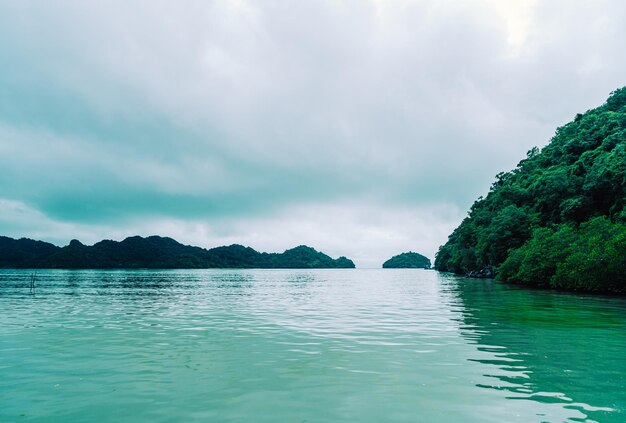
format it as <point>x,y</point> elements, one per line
<point>296,345</point>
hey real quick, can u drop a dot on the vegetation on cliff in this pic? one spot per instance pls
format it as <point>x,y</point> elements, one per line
<point>155,252</point>
<point>408,260</point>
<point>559,219</point>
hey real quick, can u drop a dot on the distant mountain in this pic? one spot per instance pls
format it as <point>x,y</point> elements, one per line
<point>408,260</point>
<point>21,253</point>
<point>155,252</point>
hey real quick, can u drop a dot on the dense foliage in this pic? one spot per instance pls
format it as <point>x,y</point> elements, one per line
<point>590,257</point>
<point>155,253</point>
<point>558,219</point>
<point>408,260</point>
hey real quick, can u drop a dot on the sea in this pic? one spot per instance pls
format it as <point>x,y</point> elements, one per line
<point>348,345</point>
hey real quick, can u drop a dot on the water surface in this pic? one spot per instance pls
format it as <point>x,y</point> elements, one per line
<point>304,346</point>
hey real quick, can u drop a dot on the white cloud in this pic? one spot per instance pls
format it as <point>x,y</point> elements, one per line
<point>243,114</point>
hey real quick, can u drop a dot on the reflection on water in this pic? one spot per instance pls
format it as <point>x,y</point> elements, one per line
<point>304,345</point>
<point>553,348</point>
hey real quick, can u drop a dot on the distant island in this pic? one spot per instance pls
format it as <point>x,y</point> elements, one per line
<point>559,219</point>
<point>156,252</point>
<point>408,260</point>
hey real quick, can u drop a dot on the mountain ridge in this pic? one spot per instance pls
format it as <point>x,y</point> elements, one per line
<point>155,252</point>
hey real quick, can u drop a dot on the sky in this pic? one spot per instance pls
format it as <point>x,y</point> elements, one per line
<point>362,128</point>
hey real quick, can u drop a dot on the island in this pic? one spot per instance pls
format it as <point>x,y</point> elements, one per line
<point>558,220</point>
<point>408,260</point>
<point>155,252</point>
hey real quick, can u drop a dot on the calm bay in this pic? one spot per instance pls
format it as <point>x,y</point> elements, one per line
<point>366,345</point>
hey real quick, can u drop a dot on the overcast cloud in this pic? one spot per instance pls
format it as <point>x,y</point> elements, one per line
<point>362,128</point>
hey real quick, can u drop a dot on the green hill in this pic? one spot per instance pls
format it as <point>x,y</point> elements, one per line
<point>408,260</point>
<point>155,252</point>
<point>557,220</point>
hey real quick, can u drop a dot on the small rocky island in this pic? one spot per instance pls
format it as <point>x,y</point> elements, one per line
<point>156,252</point>
<point>408,260</point>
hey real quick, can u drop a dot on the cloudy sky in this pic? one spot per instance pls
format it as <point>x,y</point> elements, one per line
<point>362,128</point>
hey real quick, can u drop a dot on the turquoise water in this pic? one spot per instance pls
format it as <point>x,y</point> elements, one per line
<point>304,346</point>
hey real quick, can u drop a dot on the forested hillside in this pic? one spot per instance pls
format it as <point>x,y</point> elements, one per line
<point>155,252</point>
<point>557,220</point>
